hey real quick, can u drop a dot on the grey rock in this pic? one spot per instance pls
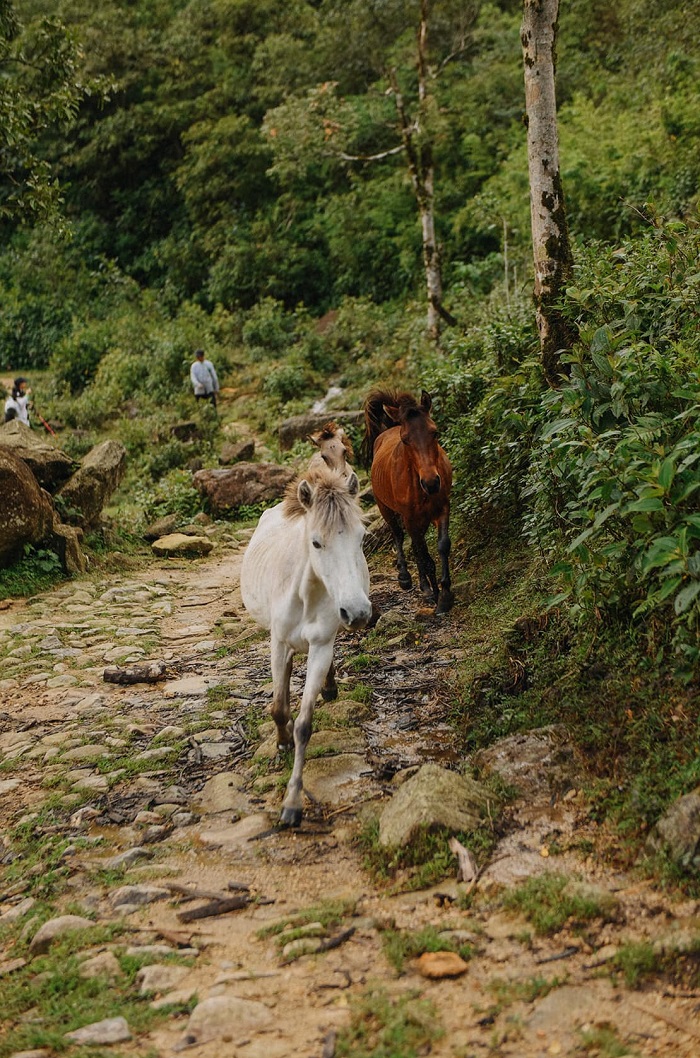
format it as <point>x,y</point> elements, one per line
<point>433,797</point>
<point>222,793</point>
<point>225,1016</point>
<point>678,832</point>
<point>161,527</point>
<point>86,492</point>
<point>300,426</point>
<point>105,964</point>
<point>56,927</point>
<point>111,1030</point>
<point>236,452</point>
<point>180,544</point>
<point>138,895</point>
<point>127,858</point>
<point>243,484</point>
<point>13,914</point>
<point>540,764</point>
<point>26,514</point>
<point>159,977</point>
<point>49,465</point>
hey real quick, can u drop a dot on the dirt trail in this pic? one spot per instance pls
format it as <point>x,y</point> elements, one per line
<point>179,770</point>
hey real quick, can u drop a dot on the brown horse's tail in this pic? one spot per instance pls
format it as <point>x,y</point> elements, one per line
<point>376,421</point>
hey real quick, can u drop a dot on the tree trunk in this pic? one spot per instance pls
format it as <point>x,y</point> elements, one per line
<point>419,156</point>
<point>550,236</point>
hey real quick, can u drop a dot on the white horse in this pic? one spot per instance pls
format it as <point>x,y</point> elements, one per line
<point>304,576</point>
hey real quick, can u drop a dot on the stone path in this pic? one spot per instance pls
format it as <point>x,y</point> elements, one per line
<point>154,790</point>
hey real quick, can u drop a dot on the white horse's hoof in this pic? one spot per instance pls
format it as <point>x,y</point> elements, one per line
<point>290,817</point>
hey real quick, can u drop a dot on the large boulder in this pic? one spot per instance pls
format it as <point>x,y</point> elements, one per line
<point>243,484</point>
<point>85,494</point>
<point>26,514</point>
<point>433,798</point>
<point>49,465</point>
<point>299,427</point>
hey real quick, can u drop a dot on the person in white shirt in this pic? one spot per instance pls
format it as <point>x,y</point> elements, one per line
<point>203,378</point>
<point>17,404</point>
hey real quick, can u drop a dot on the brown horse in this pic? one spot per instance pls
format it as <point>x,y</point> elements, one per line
<point>411,481</point>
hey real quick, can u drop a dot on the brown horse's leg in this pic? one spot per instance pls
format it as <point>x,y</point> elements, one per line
<point>446,598</point>
<point>393,520</point>
<point>281,664</point>
<point>329,691</point>
<point>426,567</point>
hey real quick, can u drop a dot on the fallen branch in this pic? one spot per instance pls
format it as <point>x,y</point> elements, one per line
<point>214,907</point>
<point>150,672</point>
<point>335,942</point>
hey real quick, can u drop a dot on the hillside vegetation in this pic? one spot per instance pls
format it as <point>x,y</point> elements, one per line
<point>220,189</point>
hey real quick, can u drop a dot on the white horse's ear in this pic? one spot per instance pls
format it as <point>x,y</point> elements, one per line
<point>314,438</point>
<point>353,484</point>
<point>392,412</point>
<point>426,401</point>
<point>305,494</point>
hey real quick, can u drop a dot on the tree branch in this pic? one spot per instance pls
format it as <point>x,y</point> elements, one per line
<point>371,157</point>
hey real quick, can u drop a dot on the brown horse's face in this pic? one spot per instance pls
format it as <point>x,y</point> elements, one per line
<point>419,434</point>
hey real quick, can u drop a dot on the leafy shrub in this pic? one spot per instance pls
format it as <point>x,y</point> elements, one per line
<point>616,471</point>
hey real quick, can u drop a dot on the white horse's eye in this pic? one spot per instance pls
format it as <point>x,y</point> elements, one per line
<point>316,543</point>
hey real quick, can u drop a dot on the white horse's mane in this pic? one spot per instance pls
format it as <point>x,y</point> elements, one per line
<point>334,505</point>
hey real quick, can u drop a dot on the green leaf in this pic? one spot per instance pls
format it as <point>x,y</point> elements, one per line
<point>650,503</point>
<point>666,473</point>
<point>685,597</point>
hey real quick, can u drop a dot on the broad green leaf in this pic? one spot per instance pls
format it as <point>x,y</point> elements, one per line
<point>666,473</point>
<point>650,503</point>
<point>685,596</point>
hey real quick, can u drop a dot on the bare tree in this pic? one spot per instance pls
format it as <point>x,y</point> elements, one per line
<point>550,235</point>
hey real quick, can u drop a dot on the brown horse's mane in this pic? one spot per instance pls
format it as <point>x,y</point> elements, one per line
<point>334,502</point>
<point>376,419</point>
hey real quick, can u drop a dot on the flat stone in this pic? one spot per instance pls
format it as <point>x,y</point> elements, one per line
<point>92,752</point>
<point>138,895</point>
<point>160,977</point>
<point>225,1016</point>
<point>180,544</point>
<point>13,914</point>
<point>111,1030</point>
<point>237,834</point>
<point>8,785</point>
<point>57,927</point>
<point>64,680</point>
<point>105,964</point>
<point>190,686</point>
<point>127,858</point>
<point>333,780</point>
<point>92,784</point>
<point>222,793</point>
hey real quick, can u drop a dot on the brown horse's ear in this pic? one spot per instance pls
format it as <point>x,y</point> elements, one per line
<point>305,494</point>
<point>314,438</point>
<point>392,412</point>
<point>426,401</point>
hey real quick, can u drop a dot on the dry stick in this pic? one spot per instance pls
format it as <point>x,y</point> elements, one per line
<point>335,942</point>
<point>216,907</point>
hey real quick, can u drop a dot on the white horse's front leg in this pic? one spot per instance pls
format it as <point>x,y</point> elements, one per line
<point>281,664</point>
<point>320,660</point>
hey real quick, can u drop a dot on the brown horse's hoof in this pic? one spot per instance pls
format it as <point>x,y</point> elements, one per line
<point>445,603</point>
<point>290,817</point>
<point>405,582</point>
